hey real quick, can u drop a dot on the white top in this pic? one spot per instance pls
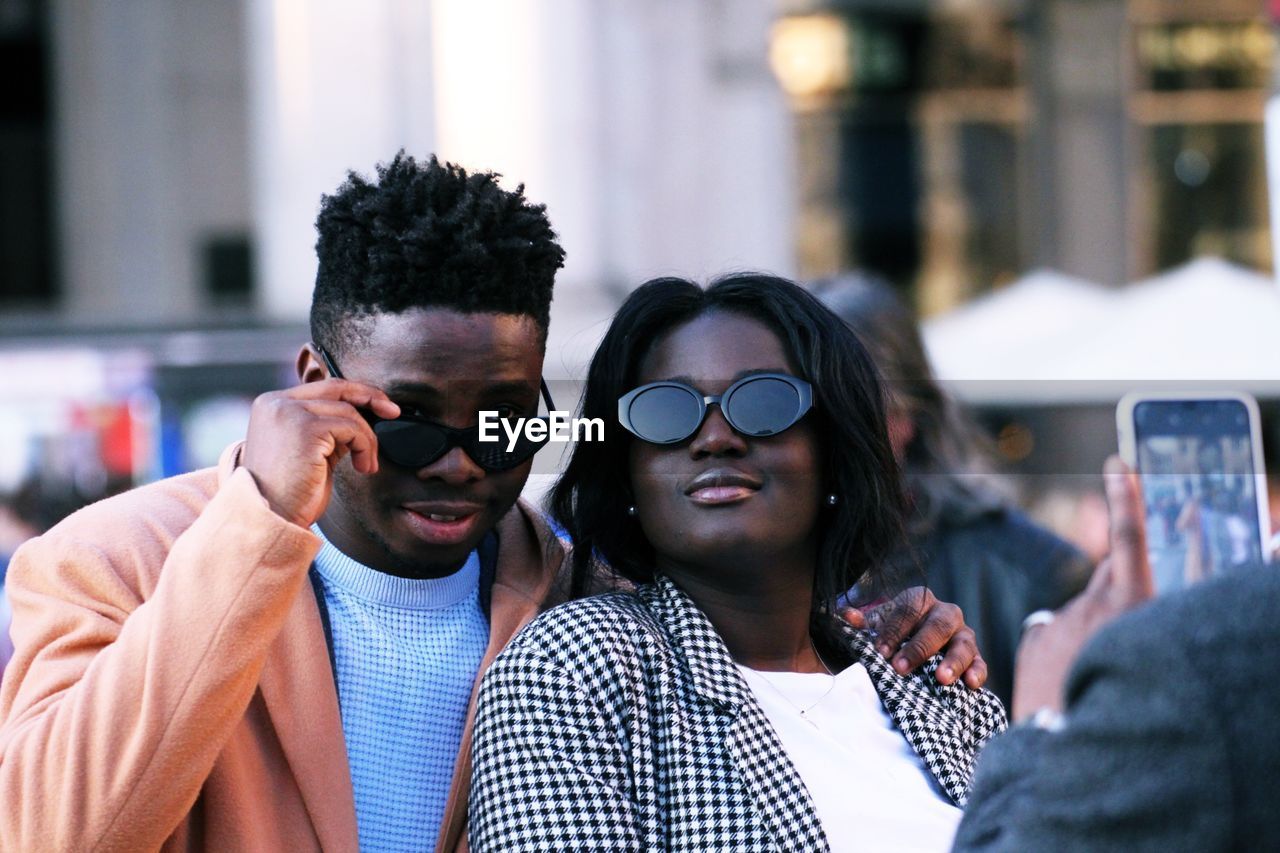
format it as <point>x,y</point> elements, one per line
<point>870,788</point>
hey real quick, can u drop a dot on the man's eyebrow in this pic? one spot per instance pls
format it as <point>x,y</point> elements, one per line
<point>418,389</point>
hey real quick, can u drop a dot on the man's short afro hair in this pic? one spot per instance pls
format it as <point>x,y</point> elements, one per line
<point>429,235</point>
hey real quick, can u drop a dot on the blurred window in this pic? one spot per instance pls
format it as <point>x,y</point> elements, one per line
<point>930,137</point>
<point>228,269</point>
<point>912,136</point>
<point>1201,74</point>
<point>26,257</point>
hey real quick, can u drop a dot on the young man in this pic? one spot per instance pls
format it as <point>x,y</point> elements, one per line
<point>280,654</point>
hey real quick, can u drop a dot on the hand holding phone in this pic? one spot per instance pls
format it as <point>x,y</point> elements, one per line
<point>1204,491</point>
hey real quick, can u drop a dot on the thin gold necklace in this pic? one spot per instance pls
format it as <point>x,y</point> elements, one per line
<point>804,712</point>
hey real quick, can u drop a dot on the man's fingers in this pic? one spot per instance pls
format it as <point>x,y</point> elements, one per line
<point>326,408</point>
<point>976,675</point>
<point>918,626</point>
<point>350,431</point>
<point>962,651</point>
<point>854,617</point>
<point>1100,579</point>
<point>364,457</point>
<point>893,620</point>
<point>356,393</point>
<point>931,635</point>
<point>354,437</point>
<point>1130,574</point>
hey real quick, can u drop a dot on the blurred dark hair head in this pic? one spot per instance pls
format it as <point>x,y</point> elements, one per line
<point>948,462</point>
<point>858,533</point>
<point>429,235</point>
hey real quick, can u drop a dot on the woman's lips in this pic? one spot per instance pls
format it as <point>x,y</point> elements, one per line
<point>721,495</point>
<point>721,486</point>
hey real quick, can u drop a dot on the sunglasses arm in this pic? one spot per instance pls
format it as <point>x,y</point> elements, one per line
<point>546,397</point>
<point>328,362</point>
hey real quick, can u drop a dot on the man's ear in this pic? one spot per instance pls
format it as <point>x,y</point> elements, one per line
<point>310,367</point>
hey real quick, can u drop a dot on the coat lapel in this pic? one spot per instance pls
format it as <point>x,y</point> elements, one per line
<point>782,802</point>
<point>526,574</point>
<point>297,686</point>
<point>918,708</point>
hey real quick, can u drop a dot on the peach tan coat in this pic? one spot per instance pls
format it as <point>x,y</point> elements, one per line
<point>171,686</point>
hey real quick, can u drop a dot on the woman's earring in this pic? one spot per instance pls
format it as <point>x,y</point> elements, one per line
<point>833,499</point>
<point>631,510</point>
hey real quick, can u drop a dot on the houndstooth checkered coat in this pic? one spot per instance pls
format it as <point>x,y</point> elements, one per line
<point>620,722</point>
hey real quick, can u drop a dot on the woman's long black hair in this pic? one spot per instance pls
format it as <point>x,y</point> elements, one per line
<point>591,498</point>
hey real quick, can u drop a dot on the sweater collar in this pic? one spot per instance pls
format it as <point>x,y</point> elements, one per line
<point>342,572</point>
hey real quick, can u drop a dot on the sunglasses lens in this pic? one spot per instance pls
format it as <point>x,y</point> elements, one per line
<point>411,444</point>
<point>493,455</point>
<point>665,414</point>
<point>763,406</point>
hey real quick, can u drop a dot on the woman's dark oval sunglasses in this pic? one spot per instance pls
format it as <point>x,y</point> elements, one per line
<point>414,442</point>
<point>758,405</point>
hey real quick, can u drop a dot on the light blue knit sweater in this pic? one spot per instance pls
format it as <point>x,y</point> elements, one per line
<point>406,653</point>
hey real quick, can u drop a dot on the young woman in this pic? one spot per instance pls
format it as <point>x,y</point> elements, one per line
<point>748,481</point>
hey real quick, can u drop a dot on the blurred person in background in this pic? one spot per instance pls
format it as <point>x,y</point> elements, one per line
<point>14,530</point>
<point>1141,725</point>
<point>280,653</point>
<point>972,545</point>
<point>23,514</point>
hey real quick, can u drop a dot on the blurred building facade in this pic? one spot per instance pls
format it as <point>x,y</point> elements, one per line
<point>161,161</point>
<point>952,146</point>
<point>186,143</point>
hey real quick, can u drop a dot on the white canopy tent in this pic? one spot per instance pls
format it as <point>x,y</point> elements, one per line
<point>1003,334</point>
<point>1050,338</point>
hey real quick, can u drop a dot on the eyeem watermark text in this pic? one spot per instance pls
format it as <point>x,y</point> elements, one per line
<point>558,426</point>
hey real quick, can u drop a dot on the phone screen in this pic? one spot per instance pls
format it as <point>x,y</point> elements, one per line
<point>1199,485</point>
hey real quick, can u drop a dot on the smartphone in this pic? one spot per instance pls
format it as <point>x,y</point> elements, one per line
<point>1199,457</point>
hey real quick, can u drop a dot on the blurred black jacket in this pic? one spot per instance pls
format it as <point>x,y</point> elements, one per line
<point>998,566</point>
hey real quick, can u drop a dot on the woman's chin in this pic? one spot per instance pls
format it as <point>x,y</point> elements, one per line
<point>736,550</point>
